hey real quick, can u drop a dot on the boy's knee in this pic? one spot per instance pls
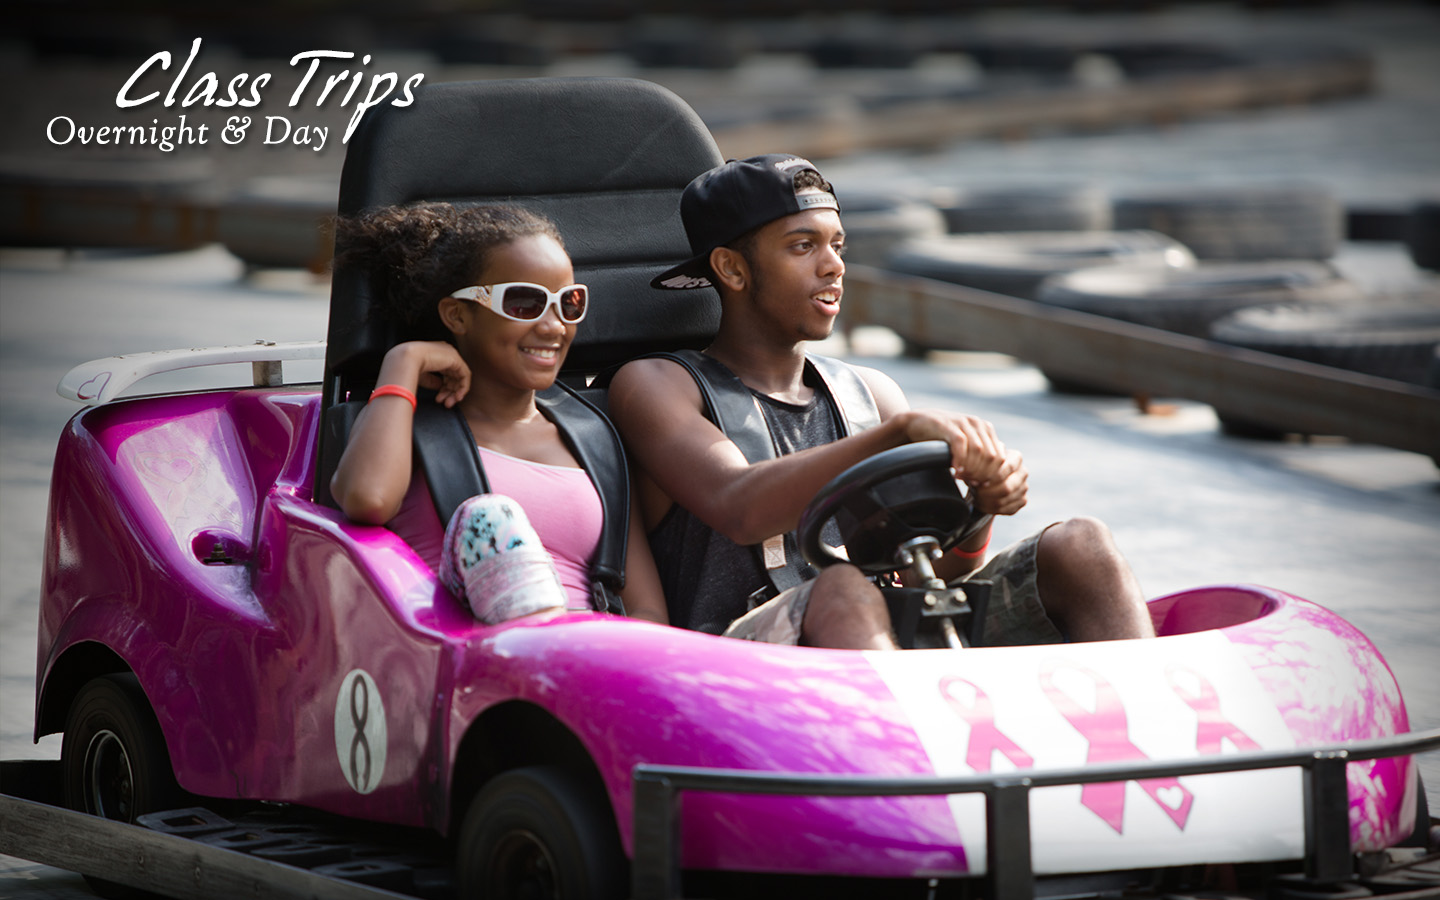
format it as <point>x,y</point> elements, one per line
<point>842,590</point>
<point>1080,533</point>
<point>1081,539</point>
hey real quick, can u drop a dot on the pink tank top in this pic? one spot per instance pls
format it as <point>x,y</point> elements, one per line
<point>564,509</point>
<point>560,502</point>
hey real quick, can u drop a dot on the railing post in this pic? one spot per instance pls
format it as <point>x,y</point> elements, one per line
<point>1327,819</point>
<point>655,874</point>
<point>1007,844</point>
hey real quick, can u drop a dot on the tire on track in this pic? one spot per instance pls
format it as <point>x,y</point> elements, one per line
<point>875,223</point>
<point>1240,223</point>
<point>1422,236</point>
<point>1396,342</point>
<point>1188,300</point>
<point>1039,208</point>
<point>1016,264</point>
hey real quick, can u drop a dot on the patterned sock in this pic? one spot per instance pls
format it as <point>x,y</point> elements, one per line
<point>494,562</point>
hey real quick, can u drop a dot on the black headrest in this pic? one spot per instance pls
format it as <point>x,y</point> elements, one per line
<point>605,158</point>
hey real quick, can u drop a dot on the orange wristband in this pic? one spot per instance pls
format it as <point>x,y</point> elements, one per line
<point>973,554</point>
<point>395,390</point>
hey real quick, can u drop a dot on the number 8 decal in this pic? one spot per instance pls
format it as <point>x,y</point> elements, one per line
<point>360,734</point>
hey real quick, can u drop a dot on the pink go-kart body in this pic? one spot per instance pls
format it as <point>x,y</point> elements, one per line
<point>292,656</point>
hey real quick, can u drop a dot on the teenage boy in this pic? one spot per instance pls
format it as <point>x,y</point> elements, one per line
<point>721,508</point>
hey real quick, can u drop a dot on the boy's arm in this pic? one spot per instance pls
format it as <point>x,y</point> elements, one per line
<point>658,409</point>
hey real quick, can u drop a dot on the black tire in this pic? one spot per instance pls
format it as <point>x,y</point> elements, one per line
<point>1397,342</point>
<point>661,47</point>
<point>1149,59</point>
<point>863,52</point>
<point>1016,264</point>
<point>114,760</point>
<point>1377,222</point>
<point>540,832</point>
<point>1062,384</point>
<point>1189,300</point>
<point>1248,223</point>
<point>876,222</point>
<point>1236,427</point>
<point>1041,208</point>
<point>1055,60</point>
<point>1423,235</point>
<point>489,45</point>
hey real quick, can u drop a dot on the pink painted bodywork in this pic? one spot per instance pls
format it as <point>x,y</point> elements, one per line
<point>243,661</point>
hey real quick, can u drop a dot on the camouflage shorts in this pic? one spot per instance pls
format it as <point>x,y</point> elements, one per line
<point>1015,615</point>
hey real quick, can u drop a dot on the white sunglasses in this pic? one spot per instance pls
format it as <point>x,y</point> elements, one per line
<point>522,301</point>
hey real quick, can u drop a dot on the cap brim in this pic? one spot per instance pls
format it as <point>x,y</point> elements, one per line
<point>691,274</point>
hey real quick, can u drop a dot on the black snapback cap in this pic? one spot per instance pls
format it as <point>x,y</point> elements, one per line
<point>733,198</point>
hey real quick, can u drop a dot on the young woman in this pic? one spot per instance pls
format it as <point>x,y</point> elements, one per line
<point>498,282</point>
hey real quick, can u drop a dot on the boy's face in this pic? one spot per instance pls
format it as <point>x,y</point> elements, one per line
<point>796,272</point>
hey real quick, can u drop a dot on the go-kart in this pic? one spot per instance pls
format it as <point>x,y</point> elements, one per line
<point>214,630</point>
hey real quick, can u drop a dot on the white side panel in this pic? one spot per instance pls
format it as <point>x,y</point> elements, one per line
<point>1068,705</point>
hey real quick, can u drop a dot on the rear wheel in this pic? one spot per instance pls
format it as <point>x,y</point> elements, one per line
<point>114,760</point>
<point>540,832</point>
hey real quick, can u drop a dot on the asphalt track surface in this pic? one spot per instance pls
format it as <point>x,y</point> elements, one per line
<point>1355,528</point>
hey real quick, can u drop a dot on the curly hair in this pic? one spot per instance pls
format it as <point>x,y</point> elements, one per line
<point>414,255</point>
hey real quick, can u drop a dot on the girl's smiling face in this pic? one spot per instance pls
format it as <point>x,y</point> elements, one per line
<point>525,355</point>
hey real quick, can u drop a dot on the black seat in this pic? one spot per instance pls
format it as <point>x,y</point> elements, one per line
<point>605,158</point>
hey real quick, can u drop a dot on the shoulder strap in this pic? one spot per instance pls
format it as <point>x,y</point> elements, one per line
<point>851,394</point>
<point>728,403</point>
<point>735,411</point>
<point>447,454</point>
<point>595,443</point>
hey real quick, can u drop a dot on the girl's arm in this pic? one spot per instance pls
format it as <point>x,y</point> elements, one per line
<point>374,471</point>
<point>643,596</point>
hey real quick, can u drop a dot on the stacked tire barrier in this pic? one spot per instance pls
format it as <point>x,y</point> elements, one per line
<point>1243,223</point>
<point>1189,300</point>
<point>1018,264</point>
<point>106,203</point>
<point>1243,265</point>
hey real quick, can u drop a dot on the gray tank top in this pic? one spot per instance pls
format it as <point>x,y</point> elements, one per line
<point>709,578</point>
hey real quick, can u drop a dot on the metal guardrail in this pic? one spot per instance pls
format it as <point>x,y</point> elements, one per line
<point>1135,359</point>
<point>1009,871</point>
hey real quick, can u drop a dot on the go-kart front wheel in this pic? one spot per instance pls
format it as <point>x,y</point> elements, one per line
<point>113,755</point>
<point>114,760</point>
<point>539,832</point>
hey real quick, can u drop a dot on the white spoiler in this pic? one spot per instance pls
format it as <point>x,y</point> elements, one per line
<point>101,380</point>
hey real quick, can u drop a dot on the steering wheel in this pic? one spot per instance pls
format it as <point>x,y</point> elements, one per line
<point>886,500</point>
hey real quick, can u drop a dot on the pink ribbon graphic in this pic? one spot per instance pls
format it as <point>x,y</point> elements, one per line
<point>985,738</point>
<point>1108,731</point>
<point>1212,726</point>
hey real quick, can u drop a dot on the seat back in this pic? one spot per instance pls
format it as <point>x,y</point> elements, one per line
<point>605,158</point>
